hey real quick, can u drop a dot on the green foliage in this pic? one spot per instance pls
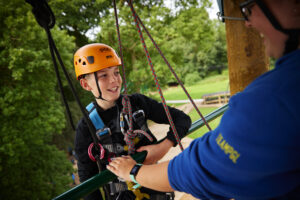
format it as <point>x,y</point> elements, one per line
<point>191,79</point>
<point>31,111</point>
<point>79,16</point>
<point>190,41</point>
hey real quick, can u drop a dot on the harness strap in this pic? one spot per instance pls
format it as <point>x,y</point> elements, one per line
<point>117,187</point>
<point>101,130</point>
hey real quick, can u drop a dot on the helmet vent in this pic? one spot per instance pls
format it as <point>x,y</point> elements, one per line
<point>79,60</point>
<point>90,59</point>
<point>83,63</point>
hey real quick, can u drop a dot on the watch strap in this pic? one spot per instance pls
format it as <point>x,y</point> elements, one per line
<point>133,174</point>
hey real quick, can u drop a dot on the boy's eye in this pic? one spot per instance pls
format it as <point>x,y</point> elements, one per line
<point>102,75</point>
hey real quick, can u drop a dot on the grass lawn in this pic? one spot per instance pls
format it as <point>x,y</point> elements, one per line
<point>195,116</point>
<point>216,83</point>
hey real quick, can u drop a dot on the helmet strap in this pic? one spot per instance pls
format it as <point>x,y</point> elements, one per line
<point>100,93</point>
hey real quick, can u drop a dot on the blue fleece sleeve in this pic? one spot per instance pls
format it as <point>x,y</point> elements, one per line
<point>253,154</point>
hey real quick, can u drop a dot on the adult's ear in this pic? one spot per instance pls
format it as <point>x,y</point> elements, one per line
<point>84,84</point>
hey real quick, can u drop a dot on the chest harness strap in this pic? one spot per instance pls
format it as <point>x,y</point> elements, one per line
<point>97,121</point>
<point>101,130</point>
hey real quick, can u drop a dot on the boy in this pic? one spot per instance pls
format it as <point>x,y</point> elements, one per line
<point>97,69</point>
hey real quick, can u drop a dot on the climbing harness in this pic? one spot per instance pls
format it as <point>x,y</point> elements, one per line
<point>103,133</point>
<point>109,149</point>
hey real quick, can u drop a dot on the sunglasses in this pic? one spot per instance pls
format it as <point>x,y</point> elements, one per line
<point>246,8</point>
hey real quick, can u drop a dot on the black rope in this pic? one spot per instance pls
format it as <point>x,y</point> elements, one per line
<point>46,20</point>
<point>43,13</point>
<point>59,81</point>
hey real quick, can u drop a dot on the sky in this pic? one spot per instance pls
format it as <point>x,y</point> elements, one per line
<point>212,15</point>
<point>212,12</point>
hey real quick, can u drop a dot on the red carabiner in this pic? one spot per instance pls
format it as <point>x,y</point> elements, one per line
<point>102,152</point>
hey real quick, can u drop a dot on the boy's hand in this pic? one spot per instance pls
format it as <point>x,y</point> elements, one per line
<point>156,151</point>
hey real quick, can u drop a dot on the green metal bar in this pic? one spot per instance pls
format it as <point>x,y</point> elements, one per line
<point>211,116</point>
<point>95,182</point>
<point>106,176</point>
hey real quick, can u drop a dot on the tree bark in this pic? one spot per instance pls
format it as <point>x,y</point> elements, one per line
<point>245,50</point>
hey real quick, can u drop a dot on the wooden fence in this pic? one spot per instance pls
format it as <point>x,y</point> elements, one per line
<point>216,98</point>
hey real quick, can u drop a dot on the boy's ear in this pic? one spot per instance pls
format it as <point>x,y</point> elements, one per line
<point>84,84</point>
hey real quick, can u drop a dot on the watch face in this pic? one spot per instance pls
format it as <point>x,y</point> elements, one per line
<point>135,169</point>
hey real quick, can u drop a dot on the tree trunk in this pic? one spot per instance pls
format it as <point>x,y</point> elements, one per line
<point>245,50</point>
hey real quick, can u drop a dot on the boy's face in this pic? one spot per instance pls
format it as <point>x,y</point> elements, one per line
<point>110,83</point>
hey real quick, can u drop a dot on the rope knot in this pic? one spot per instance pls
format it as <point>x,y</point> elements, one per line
<point>130,133</point>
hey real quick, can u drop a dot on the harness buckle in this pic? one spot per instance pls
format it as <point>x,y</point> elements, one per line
<point>137,114</point>
<point>139,118</point>
<point>103,131</point>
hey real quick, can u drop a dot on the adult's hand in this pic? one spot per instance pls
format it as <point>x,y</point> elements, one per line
<point>121,166</point>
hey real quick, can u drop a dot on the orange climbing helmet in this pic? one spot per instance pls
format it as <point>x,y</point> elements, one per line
<point>94,57</point>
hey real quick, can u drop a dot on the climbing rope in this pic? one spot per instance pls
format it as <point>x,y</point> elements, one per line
<point>130,133</point>
<point>155,77</point>
<point>172,70</point>
<point>120,47</point>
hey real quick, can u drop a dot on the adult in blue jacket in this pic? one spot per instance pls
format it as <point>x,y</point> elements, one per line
<point>255,151</point>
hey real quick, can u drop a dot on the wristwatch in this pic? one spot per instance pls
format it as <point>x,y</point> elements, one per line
<point>133,174</point>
